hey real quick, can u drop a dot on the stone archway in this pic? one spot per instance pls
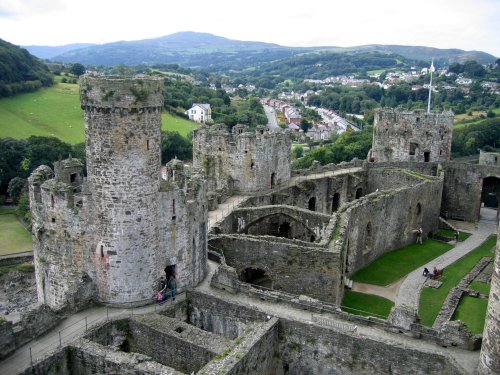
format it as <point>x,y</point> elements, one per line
<point>335,202</point>
<point>256,276</point>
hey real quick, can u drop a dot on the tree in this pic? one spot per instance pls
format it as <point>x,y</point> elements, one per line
<point>77,69</point>
<point>174,145</point>
<point>17,186</point>
<point>12,152</point>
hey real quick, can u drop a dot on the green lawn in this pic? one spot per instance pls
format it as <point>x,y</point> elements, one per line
<point>451,233</point>
<point>366,304</point>
<point>432,299</point>
<point>392,266</point>
<point>480,287</point>
<point>55,111</point>
<point>13,237</point>
<point>472,311</point>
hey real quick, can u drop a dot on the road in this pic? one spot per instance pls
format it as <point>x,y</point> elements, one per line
<point>272,122</point>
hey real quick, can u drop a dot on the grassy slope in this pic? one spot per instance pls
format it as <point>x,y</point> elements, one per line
<point>366,304</point>
<point>55,111</point>
<point>392,266</point>
<point>13,237</point>
<point>432,299</point>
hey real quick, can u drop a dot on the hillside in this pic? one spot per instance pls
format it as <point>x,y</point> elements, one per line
<point>215,53</point>
<point>20,71</point>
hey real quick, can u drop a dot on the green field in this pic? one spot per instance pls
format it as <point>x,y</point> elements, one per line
<point>432,299</point>
<point>366,304</point>
<point>13,237</point>
<point>392,266</point>
<point>56,112</point>
<point>472,311</point>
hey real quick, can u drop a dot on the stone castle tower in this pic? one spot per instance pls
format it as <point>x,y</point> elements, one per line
<point>489,361</point>
<point>400,135</point>
<point>116,228</point>
<point>241,160</point>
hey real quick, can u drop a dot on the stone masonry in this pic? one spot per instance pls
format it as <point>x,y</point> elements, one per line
<point>411,136</point>
<point>122,225</point>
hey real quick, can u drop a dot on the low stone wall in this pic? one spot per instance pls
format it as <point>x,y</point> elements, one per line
<point>7,340</point>
<point>16,260</point>
<point>256,353</point>
<point>309,349</point>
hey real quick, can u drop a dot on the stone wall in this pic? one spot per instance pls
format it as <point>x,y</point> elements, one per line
<point>218,316</point>
<point>293,266</point>
<point>411,136</point>
<point>489,363</point>
<point>183,226</point>
<point>310,349</point>
<point>7,340</point>
<point>243,160</point>
<point>489,158</point>
<point>384,221</point>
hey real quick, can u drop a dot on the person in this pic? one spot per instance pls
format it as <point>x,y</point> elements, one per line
<point>163,291</point>
<point>173,286</point>
<point>426,272</point>
<point>419,235</point>
<point>457,236</point>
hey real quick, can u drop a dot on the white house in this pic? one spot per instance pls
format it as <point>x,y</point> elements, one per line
<point>199,112</point>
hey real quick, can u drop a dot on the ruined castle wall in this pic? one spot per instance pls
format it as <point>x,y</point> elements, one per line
<point>220,317</point>
<point>183,235</point>
<point>329,193</point>
<point>58,242</point>
<point>242,160</point>
<point>384,221</point>
<point>400,135</point>
<point>310,349</point>
<point>293,266</point>
<point>122,137</point>
<point>489,362</point>
<point>392,178</point>
<point>489,158</point>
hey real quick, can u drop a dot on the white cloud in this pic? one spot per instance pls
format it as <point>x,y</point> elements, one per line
<point>465,24</point>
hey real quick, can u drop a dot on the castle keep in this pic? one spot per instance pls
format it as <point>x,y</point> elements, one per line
<point>121,226</point>
<point>400,135</point>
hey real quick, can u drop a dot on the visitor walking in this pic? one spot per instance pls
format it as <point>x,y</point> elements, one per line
<point>419,235</point>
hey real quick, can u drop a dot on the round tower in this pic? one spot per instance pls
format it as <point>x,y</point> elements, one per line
<point>122,139</point>
<point>489,361</point>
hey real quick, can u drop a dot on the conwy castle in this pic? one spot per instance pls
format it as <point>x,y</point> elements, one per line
<point>262,254</point>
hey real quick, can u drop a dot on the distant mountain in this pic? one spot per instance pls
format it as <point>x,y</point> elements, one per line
<point>211,52</point>
<point>48,52</point>
<point>440,56</point>
<point>20,71</point>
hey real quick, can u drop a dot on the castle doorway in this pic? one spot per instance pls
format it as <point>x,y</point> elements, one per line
<point>169,271</point>
<point>490,192</point>
<point>256,276</point>
<point>359,193</point>
<point>335,202</point>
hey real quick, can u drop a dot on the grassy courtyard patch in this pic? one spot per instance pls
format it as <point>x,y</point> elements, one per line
<point>480,287</point>
<point>432,299</point>
<point>55,112</point>
<point>366,304</point>
<point>462,236</point>
<point>392,266</point>
<point>472,311</point>
<point>13,237</point>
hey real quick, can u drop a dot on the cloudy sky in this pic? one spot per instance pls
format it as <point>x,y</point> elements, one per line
<point>464,24</point>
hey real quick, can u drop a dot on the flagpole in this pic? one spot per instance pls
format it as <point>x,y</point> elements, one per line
<point>430,88</point>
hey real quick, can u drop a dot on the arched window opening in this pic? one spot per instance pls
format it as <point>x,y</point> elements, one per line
<point>273,180</point>
<point>418,209</point>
